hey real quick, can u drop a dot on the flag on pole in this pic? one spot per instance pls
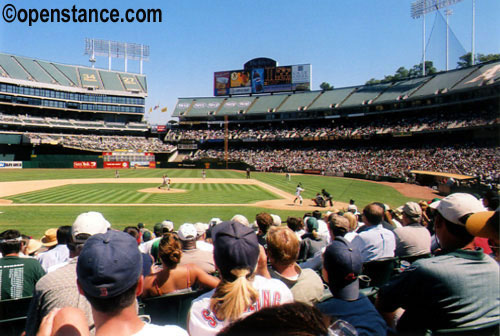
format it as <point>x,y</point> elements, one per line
<point>150,109</point>
<point>156,107</point>
<point>164,109</point>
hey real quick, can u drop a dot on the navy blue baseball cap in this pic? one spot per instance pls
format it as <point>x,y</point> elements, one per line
<point>235,246</point>
<point>343,264</point>
<point>109,264</point>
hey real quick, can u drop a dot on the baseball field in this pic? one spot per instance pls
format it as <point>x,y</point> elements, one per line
<point>33,200</point>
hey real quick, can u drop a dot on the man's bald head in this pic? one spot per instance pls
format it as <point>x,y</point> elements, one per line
<point>373,214</point>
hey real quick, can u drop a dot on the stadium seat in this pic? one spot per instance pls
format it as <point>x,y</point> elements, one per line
<point>379,271</point>
<point>13,315</point>
<point>170,308</point>
<point>487,329</point>
<point>412,258</point>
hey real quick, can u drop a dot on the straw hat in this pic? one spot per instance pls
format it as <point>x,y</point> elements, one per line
<point>50,238</point>
<point>33,246</point>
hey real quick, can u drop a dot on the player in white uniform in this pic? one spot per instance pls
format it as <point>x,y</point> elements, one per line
<point>236,251</point>
<point>298,196</point>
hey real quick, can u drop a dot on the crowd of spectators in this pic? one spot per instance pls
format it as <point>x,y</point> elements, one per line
<point>102,143</point>
<point>396,162</point>
<point>350,128</point>
<point>95,273</point>
<point>25,119</point>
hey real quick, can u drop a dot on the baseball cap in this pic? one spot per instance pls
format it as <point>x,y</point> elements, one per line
<point>110,263</point>
<point>50,238</point>
<point>169,225</point>
<point>201,228</point>
<point>276,220</point>
<point>241,219</point>
<point>343,264</point>
<point>89,223</point>
<point>215,221</point>
<point>413,210</point>
<point>187,231</point>
<point>484,224</point>
<point>235,246</point>
<point>455,206</point>
<point>337,221</point>
<point>312,224</point>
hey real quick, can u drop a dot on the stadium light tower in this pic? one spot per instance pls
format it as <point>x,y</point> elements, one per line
<point>113,49</point>
<point>421,7</point>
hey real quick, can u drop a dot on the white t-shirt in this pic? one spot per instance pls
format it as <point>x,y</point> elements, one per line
<point>146,247</point>
<point>154,330</point>
<point>202,320</point>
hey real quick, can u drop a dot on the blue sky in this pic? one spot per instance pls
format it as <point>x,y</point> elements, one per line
<point>346,42</point>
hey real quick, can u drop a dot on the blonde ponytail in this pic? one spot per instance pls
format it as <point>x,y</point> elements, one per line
<point>232,299</point>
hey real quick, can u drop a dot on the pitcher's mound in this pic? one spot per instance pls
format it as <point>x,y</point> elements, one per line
<point>162,191</point>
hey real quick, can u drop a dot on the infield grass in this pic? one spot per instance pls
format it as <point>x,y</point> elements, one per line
<point>127,193</point>
<point>35,219</point>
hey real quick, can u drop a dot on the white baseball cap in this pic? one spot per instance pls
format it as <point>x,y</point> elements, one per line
<point>215,221</point>
<point>90,223</point>
<point>276,220</point>
<point>455,206</point>
<point>169,225</point>
<point>187,231</point>
<point>201,228</point>
<point>241,219</point>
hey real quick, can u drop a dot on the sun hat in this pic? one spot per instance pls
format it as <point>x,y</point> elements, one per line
<point>50,238</point>
<point>33,246</point>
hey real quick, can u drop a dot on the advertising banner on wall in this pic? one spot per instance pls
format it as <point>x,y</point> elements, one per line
<point>11,164</point>
<point>84,164</point>
<point>140,164</point>
<point>221,83</point>
<point>115,164</point>
<point>263,80</point>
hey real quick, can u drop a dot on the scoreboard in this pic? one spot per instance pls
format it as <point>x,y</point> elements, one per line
<point>263,80</point>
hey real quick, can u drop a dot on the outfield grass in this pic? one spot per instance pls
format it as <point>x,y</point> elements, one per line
<point>34,220</point>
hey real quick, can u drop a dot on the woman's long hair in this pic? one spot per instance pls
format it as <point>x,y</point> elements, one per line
<point>232,298</point>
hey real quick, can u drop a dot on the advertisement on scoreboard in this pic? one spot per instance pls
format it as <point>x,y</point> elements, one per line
<point>263,80</point>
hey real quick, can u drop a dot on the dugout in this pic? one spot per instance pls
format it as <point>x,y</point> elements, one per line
<point>448,183</point>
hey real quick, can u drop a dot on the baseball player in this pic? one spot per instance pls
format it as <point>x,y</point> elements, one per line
<point>298,196</point>
<point>117,173</point>
<point>165,182</point>
<point>203,174</point>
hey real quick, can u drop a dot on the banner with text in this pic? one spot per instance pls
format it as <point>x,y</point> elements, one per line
<point>11,164</point>
<point>84,164</point>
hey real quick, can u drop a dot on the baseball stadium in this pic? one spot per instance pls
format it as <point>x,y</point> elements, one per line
<point>67,131</point>
<point>75,139</point>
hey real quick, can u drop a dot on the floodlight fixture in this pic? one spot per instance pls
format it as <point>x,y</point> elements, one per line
<point>114,49</point>
<point>422,7</point>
